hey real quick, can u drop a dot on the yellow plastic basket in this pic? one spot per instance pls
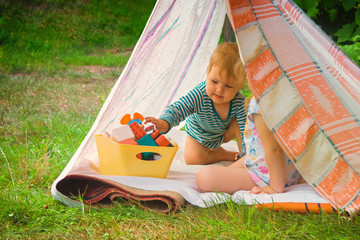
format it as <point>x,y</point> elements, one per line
<point>120,159</point>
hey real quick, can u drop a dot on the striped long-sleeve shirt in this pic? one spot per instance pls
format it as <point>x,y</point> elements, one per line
<point>202,121</point>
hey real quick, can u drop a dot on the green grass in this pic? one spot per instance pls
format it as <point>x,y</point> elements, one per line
<point>47,35</point>
<point>50,95</point>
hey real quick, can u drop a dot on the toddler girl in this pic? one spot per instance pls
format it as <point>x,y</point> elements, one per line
<point>214,109</point>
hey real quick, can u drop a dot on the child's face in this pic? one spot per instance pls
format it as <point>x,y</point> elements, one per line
<point>219,86</point>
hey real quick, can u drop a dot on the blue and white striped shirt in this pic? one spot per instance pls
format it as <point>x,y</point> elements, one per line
<point>202,121</point>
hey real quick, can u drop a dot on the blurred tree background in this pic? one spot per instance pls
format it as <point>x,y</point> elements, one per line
<point>340,19</point>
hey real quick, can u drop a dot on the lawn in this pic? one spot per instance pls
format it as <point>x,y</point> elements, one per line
<point>58,62</point>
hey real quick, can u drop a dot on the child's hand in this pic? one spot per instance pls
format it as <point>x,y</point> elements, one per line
<point>267,190</point>
<point>161,125</point>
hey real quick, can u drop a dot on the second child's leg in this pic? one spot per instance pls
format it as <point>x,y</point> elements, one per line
<point>224,179</point>
<point>197,154</point>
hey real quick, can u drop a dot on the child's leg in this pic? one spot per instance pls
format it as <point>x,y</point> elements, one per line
<point>233,132</point>
<point>224,179</point>
<point>197,154</point>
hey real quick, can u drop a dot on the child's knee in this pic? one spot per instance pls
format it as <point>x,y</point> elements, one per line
<point>193,159</point>
<point>204,179</point>
<point>195,153</point>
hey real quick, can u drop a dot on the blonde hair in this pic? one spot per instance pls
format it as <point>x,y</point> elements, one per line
<point>227,57</point>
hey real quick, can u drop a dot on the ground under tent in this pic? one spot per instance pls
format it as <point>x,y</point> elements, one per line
<point>307,88</point>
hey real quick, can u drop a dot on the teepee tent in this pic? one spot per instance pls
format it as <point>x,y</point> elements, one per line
<point>307,88</point>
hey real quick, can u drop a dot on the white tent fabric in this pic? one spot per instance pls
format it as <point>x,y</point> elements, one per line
<point>169,59</point>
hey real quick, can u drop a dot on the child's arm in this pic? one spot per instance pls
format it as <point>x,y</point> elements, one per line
<point>241,119</point>
<point>161,125</point>
<point>274,157</point>
<point>178,111</point>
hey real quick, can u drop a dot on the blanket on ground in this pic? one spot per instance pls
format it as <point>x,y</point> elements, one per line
<point>178,189</point>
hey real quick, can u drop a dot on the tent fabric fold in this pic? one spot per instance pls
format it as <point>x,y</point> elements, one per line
<point>308,89</point>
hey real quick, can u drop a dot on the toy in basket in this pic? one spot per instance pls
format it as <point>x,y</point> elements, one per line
<point>131,151</point>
